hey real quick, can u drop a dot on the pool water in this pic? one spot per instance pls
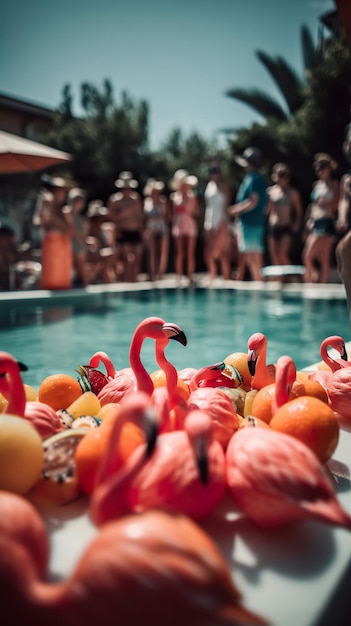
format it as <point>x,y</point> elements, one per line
<point>216,323</point>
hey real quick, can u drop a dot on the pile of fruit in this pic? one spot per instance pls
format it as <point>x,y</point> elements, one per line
<point>178,441</point>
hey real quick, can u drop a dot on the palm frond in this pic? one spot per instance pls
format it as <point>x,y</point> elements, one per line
<point>286,79</point>
<point>258,100</point>
<point>312,55</point>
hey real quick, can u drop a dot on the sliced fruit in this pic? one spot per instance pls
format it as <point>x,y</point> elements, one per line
<point>86,421</point>
<point>86,404</point>
<point>58,480</point>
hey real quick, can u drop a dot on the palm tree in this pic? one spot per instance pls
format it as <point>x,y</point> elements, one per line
<point>291,86</point>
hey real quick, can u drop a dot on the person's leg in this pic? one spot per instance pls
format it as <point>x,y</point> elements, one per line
<point>308,257</point>
<point>191,260</point>
<point>179,255</point>
<point>324,253</point>
<point>273,251</point>
<point>241,266</point>
<point>224,260</point>
<point>255,263</point>
<point>151,251</point>
<point>164,256</point>
<point>284,250</point>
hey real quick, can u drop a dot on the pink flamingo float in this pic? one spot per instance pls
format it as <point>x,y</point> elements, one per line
<point>136,376</point>
<point>217,375</point>
<point>339,392</point>
<point>262,374</point>
<point>214,401</point>
<point>185,473</point>
<point>44,419</point>
<point>337,343</point>
<point>275,480</point>
<point>124,574</point>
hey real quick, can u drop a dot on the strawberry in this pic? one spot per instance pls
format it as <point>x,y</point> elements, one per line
<point>91,379</point>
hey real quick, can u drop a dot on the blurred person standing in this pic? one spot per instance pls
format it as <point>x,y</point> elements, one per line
<point>56,227</point>
<point>285,213</point>
<point>185,212</point>
<point>101,242</point>
<point>320,219</point>
<point>217,244</point>
<point>249,214</point>
<point>156,228</point>
<point>76,205</point>
<point>126,210</point>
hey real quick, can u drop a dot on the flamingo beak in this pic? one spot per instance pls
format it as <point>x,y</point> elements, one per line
<point>251,361</point>
<point>343,353</point>
<point>218,366</point>
<point>173,331</point>
<point>150,428</point>
<point>22,366</point>
<point>202,461</point>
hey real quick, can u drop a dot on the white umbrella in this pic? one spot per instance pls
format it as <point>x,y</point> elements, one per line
<point>18,154</point>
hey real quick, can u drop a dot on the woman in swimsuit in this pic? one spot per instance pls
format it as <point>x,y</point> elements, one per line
<point>126,211</point>
<point>185,211</point>
<point>156,228</point>
<point>216,229</point>
<point>320,216</point>
<point>284,210</point>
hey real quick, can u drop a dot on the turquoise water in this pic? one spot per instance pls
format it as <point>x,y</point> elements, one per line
<point>216,323</point>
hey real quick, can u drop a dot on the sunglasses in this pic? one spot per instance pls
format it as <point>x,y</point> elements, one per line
<point>321,166</point>
<point>214,170</point>
<point>282,174</point>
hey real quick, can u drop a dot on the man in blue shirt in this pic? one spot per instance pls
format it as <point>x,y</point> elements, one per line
<point>249,214</point>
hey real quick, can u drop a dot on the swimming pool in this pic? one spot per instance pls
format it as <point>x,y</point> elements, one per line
<point>52,339</point>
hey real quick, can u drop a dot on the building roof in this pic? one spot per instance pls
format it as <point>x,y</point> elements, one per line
<point>17,104</point>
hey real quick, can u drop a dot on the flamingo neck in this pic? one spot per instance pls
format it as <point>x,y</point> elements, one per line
<point>13,390</point>
<point>334,364</point>
<point>283,383</point>
<point>171,375</point>
<point>105,359</point>
<point>261,376</point>
<point>110,494</point>
<point>143,379</point>
<point>204,374</point>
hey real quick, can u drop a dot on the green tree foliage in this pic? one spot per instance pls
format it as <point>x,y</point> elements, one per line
<point>318,123</point>
<point>106,139</point>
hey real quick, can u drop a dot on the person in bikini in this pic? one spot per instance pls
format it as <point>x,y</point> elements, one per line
<point>284,211</point>
<point>126,210</point>
<point>218,237</point>
<point>156,229</point>
<point>320,217</point>
<point>185,211</point>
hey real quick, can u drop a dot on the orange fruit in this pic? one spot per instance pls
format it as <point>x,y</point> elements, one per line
<point>92,448</point>
<point>59,391</point>
<point>308,387</point>
<point>239,360</point>
<point>158,377</point>
<point>310,420</point>
<point>261,406</point>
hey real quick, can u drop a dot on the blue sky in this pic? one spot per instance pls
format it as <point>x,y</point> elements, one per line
<point>181,56</point>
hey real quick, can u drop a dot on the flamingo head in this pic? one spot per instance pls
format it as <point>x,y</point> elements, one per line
<point>136,408</point>
<point>256,343</point>
<point>156,328</point>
